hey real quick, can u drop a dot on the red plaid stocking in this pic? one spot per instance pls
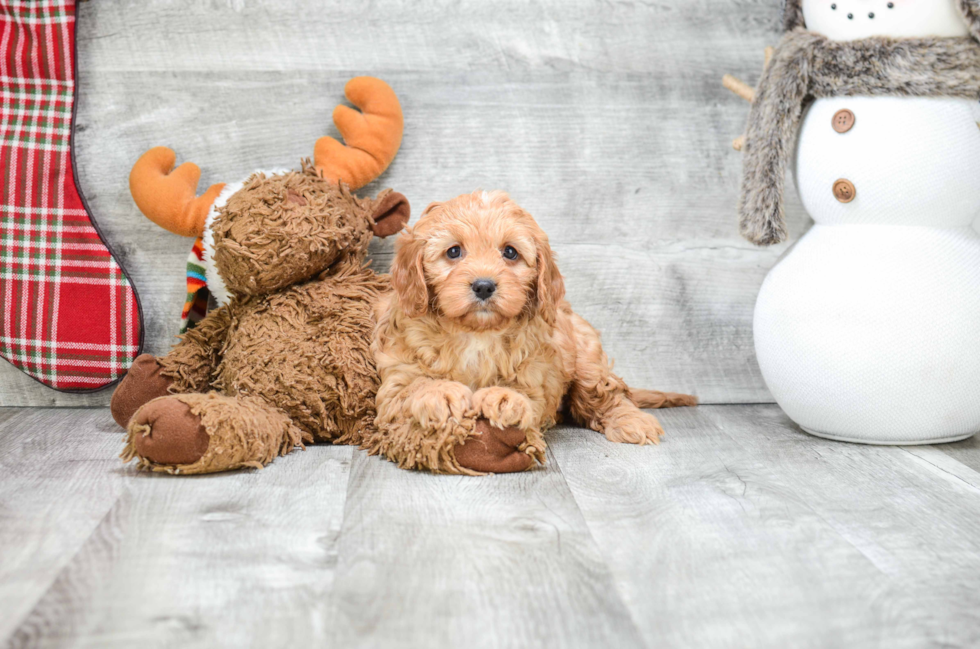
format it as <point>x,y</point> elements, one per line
<point>69,316</point>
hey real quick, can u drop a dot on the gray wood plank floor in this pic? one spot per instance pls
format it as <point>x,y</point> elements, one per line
<point>606,120</point>
<point>738,531</point>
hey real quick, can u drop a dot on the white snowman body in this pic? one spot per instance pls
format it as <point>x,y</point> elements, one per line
<point>868,329</point>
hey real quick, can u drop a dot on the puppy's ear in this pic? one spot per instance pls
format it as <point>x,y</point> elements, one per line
<point>431,208</point>
<point>551,285</point>
<point>408,274</point>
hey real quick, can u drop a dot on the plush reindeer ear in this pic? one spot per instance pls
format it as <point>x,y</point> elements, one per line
<point>551,285</point>
<point>390,214</point>
<point>408,275</point>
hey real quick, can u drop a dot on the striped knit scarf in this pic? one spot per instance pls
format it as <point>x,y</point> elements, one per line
<point>198,295</point>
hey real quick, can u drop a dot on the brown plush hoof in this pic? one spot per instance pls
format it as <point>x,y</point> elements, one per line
<point>143,383</point>
<point>493,450</point>
<point>165,431</point>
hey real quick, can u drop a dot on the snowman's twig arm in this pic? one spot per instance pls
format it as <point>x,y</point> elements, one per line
<point>739,87</point>
<point>745,91</point>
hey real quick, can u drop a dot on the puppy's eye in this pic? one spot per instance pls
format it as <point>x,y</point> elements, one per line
<point>510,252</point>
<point>454,252</point>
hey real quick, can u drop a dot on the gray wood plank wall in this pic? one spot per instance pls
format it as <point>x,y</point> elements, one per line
<point>606,120</point>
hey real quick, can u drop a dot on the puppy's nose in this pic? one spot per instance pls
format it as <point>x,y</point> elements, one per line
<point>484,288</point>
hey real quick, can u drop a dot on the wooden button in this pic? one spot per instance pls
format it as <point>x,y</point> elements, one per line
<point>844,190</point>
<point>843,121</point>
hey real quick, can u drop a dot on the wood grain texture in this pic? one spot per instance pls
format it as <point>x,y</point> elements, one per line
<point>737,531</point>
<point>56,486</point>
<point>606,120</point>
<point>93,552</point>
<point>756,534</point>
<point>966,452</point>
<point>450,561</point>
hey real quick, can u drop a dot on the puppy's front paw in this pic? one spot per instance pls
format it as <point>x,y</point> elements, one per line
<point>504,407</point>
<point>440,402</point>
<point>633,426</point>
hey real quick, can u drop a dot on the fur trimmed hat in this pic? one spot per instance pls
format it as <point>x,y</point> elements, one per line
<point>793,15</point>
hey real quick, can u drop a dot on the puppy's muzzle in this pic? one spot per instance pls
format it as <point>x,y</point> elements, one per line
<point>484,289</point>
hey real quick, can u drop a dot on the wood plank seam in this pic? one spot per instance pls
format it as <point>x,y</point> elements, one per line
<point>619,594</point>
<point>65,569</point>
<point>943,464</point>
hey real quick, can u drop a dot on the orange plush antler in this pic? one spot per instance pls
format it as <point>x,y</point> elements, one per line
<point>168,197</point>
<point>373,135</point>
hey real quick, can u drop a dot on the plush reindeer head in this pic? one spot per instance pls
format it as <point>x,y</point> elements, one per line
<point>281,227</point>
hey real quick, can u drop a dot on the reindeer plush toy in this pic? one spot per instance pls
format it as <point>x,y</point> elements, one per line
<point>286,358</point>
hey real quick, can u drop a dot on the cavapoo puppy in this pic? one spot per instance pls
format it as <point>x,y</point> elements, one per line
<point>478,351</point>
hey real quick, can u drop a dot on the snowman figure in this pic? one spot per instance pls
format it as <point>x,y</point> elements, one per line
<point>868,328</point>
